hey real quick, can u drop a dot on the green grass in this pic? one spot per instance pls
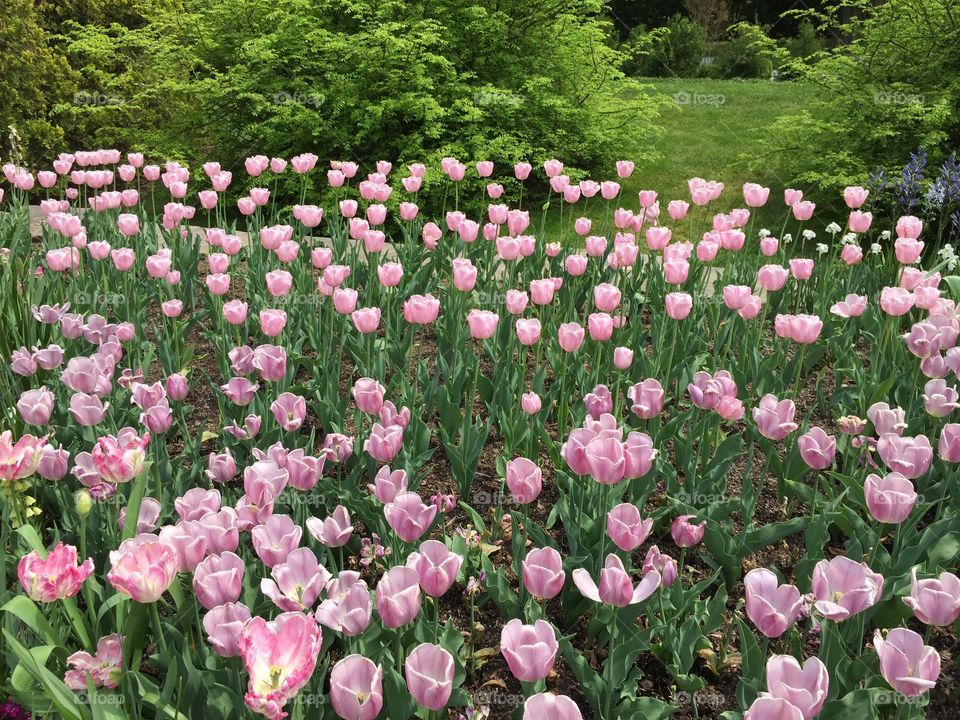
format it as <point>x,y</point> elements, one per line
<point>713,131</point>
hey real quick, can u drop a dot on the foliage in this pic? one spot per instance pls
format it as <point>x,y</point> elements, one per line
<point>33,77</point>
<point>892,89</point>
<point>413,81</point>
<point>748,53</point>
<point>675,50</point>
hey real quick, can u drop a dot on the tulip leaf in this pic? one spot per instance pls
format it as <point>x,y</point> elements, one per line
<point>58,693</point>
<point>771,533</point>
<point>25,609</point>
<point>858,705</point>
<point>590,682</point>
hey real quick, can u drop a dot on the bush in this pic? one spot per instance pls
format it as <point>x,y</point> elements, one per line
<point>748,53</point>
<point>369,80</point>
<point>892,89</point>
<point>675,50</point>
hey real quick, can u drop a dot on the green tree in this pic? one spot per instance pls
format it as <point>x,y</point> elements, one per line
<point>33,78</point>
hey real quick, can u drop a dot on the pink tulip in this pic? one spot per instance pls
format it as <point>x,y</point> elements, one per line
<point>890,499</point>
<point>530,650</point>
<point>767,707</point>
<point>843,588</point>
<point>398,596</point>
<point>686,534</point>
<point>384,442</point>
<point>949,445</point>
<point>910,667</point>
<point>548,705</point>
<point>707,391</point>
<point>570,336</point>
<point>940,400</point>
<point>436,566</point>
<point>223,625</point>
<point>120,458</point>
<point>54,577</point>
<point>524,479</point>
<point>408,517</point>
<point>626,527</point>
<point>543,574</point>
<point>356,688</point>
<point>421,309</point>
<point>387,484</point>
<point>678,305</point>
<point>36,406</point>
<point>275,539</point>
<point>296,583</point>
<point>103,669</point>
<point>851,306</point>
<point>368,394</point>
<point>218,579</point>
<point>616,588</point>
<point>935,601</point>
<point>482,323</point>
<point>910,456</point>
<point>142,570</point>
<point>817,448</point>
<point>805,687</point>
<point>530,403</point>
<point>280,657</point>
<point>771,607</point>
<point>334,531</point>
<point>429,671</point>
<point>896,301</point>
<point>348,608</point>
<point>774,418</point>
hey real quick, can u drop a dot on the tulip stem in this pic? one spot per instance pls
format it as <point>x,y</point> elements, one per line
<point>608,668</point>
<point>157,627</point>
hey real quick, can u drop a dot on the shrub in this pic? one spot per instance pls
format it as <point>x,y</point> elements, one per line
<point>892,89</point>
<point>675,50</point>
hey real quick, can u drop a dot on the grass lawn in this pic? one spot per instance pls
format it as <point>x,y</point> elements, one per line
<point>712,131</point>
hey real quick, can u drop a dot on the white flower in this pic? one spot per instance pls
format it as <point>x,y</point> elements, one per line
<point>822,248</point>
<point>876,248</point>
<point>833,228</point>
<point>809,234</point>
<point>788,238</point>
<point>849,239</point>
<point>885,235</point>
<point>764,233</point>
<point>949,256</point>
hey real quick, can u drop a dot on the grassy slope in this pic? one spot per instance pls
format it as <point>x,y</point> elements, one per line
<point>713,132</point>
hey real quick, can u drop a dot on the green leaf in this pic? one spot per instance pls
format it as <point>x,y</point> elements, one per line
<point>58,693</point>
<point>25,609</point>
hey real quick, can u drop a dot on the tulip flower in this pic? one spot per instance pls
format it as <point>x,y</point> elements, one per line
<point>356,688</point>
<point>524,479</point>
<point>398,596</point>
<point>142,570</point>
<point>805,687</point>
<point>910,667</point>
<point>935,601</point>
<point>686,534</point>
<point>218,579</point>
<point>280,657</point>
<point>436,566</point>
<point>54,577</point>
<point>909,456</point>
<point>275,539</point>
<point>102,669</point>
<point>817,448</point>
<point>530,650</point>
<point>548,705</point>
<point>429,671</point>
<point>408,516</point>
<point>542,572</point>
<point>347,608</point>
<point>335,531</point>
<point>296,584</point>
<point>843,588</point>
<point>767,707</point>
<point>772,607</point>
<point>626,527</point>
<point>774,418</point>
<point>616,588</point>
<point>890,499</point>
